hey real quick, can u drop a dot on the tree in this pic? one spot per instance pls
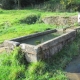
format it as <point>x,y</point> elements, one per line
<point>7,4</point>
<point>18,3</point>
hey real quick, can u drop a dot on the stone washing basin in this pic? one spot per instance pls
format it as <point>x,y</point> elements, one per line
<point>42,45</point>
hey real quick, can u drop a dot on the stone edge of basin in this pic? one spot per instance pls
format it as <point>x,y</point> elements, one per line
<point>42,51</point>
<point>35,53</point>
<point>16,41</point>
<point>33,35</point>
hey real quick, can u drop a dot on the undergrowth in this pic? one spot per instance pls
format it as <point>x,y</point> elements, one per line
<point>14,66</point>
<point>30,19</point>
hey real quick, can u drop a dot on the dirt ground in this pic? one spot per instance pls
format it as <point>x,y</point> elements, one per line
<point>73,69</point>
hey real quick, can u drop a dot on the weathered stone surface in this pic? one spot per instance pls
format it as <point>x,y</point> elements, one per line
<point>31,57</point>
<point>58,20</point>
<point>11,44</point>
<point>30,51</point>
<point>48,48</point>
<point>1,45</point>
<point>2,49</point>
<point>44,50</point>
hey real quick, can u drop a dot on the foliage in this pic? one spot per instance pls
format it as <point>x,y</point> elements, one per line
<point>30,19</point>
<point>12,65</point>
<point>49,5</point>
<point>7,4</point>
<point>10,4</point>
<point>72,5</point>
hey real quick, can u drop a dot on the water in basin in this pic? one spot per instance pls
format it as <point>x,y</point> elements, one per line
<point>40,39</point>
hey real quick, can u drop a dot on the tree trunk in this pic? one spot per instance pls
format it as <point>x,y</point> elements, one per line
<point>19,5</point>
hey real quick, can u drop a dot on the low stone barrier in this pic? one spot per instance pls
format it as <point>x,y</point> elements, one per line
<point>34,53</point>
<point>60,20</point>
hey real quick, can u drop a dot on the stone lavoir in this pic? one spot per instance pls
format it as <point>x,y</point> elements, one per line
<point>42,45</point>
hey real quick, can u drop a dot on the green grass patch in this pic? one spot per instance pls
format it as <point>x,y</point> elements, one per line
<point>11,27</point>
<point>23,29</point>
<point>14,66</point>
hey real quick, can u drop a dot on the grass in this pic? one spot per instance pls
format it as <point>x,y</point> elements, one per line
<point>11,27</point>
<point>21,30</point>
<point>14,66</point>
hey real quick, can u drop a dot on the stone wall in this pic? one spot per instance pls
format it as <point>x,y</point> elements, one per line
<point>47,49</point>
<point>61,21</point>
<point>55,45</point>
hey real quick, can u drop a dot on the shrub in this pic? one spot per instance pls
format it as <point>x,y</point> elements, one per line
<point>30,19</point>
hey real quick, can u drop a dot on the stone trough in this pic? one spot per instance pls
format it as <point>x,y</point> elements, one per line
<point>42,45</point>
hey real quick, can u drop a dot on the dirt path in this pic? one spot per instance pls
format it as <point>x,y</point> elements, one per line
<point>73,69</point>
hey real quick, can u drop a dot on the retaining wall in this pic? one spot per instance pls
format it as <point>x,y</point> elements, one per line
<point>61,21</point>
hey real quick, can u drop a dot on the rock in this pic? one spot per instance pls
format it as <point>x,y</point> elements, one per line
<point>2,49</point>
<point>60,21</point>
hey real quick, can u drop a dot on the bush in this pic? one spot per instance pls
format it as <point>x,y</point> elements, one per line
<point>30,19</point>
